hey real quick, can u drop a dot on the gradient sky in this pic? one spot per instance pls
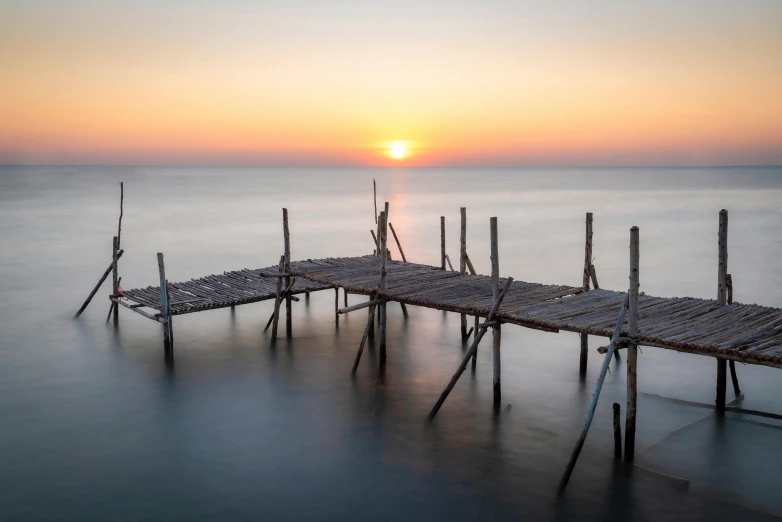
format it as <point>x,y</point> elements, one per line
<point>648,82</point>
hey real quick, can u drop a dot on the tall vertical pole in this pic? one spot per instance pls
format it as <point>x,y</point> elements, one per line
<point>382,306</point>
<point>115,276</point>
<point>722,299</point>
<point>165,310</point>
<point>287,238</point>
<point>497,329</point>
<point>632,348</point>
<point>582,367</point>
<point>442,242</point>
<point>463,261</point>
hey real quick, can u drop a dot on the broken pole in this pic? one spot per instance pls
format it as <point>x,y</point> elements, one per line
<point>722,299</point>
<point>632,348</point>
<point>595,396</point>
<point>617,431</point>
<point>497,329</point>
<point>478,336</point>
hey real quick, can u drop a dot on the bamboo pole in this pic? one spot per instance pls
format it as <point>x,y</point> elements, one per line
<point>722,299</point>
<point>593,274</point>
<point>165,309</point>
<point>496,330</point>
<point>632,348</point>
<point>287,239</point>
<point>462,261</point>
<point>359,306</point>
<point>277,299</point>
<point>402,253</point>
<point>345,295</point>
<point>595,397</point>
<point>370,322</point>
<point>732,364</point>
<point>475,336</point>
<point>473,348</point>
<point>383,264</point>
<point>374,190</point>
<point>377,244</point>
<point>442,242</point>
<point>617,431</point>
<point>97,286</point>
<point>115,276</point>
<point>284,293</point>
<point>469,264</point>
<point>582,366</point>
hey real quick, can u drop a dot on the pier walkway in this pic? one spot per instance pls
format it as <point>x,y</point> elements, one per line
<point>742,332</point>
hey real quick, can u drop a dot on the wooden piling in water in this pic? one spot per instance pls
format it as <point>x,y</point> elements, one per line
<point>632,348</point>
<point>462,261</point>
<point>442,242</point>
<point>277,299</point>
<point>165,311</point>
<point>383,264</point>
<point>480,331</point>
<point>722,299</point>
<point>497,329</point>
<point>617,431</point>
<point>401,253</point>
<point>595,397</point>
<point>374,191</point>
<point>97,286</point>
<point>115,276</point>
<point>582,366</point>
<point>287,240</point>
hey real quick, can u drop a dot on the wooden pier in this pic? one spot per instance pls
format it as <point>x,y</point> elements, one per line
<point>719,328</point>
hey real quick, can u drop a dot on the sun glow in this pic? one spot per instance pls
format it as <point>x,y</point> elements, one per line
<point>398,150</point>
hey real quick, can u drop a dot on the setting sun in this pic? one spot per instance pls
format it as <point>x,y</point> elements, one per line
<point>398,150</point>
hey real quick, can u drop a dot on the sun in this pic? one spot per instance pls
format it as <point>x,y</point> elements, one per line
<point>398,150</point>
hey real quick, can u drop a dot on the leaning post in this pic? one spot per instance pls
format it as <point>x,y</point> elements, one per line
<point>463,261</point>
<point>632,348</point>
<point>582,367</point>
<point>722,299</point>
<point>165,311</point>
<point>496,329</point>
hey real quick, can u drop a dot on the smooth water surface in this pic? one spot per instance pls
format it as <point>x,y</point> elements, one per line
<point>93,426</point>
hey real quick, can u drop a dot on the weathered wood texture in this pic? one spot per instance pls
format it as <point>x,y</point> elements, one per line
<point>632,348</point>
<point>746,333</point>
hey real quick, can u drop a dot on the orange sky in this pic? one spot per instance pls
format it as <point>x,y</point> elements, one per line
<point>333,83</point>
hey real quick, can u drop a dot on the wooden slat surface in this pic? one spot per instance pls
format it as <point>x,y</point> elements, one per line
<point>751,333</point>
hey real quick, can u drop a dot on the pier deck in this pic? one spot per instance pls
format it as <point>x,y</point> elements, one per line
<point>747,333</point>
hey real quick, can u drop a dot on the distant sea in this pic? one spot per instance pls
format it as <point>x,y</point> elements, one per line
<point>93,426</point>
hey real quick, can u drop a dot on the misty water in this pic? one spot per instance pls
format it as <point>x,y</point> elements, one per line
<point>94,426</point>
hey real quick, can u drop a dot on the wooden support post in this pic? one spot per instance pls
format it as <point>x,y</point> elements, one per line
<point>722,299</point>
<point>277,299</point>
<point>632,348</point>
<point>165,311</point>
<point>442,242</point>
<point>595,396</point>
<point>471,351</point>
<point>617,431</point>
<point>287,239</point>
<point>377,244</point>
<point>593,274</point>
<point>383,264</point>
<point>462,260</point>
<point>475,336</point>
<point>582,366</point>
<point>370,321</point>
<point>336,303</point>
<point>345,295</point>
<point>374,190</point>
<point>115,276</point>
<point>496,330</point>
<point>469,264</point>
<point>97,287</point>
